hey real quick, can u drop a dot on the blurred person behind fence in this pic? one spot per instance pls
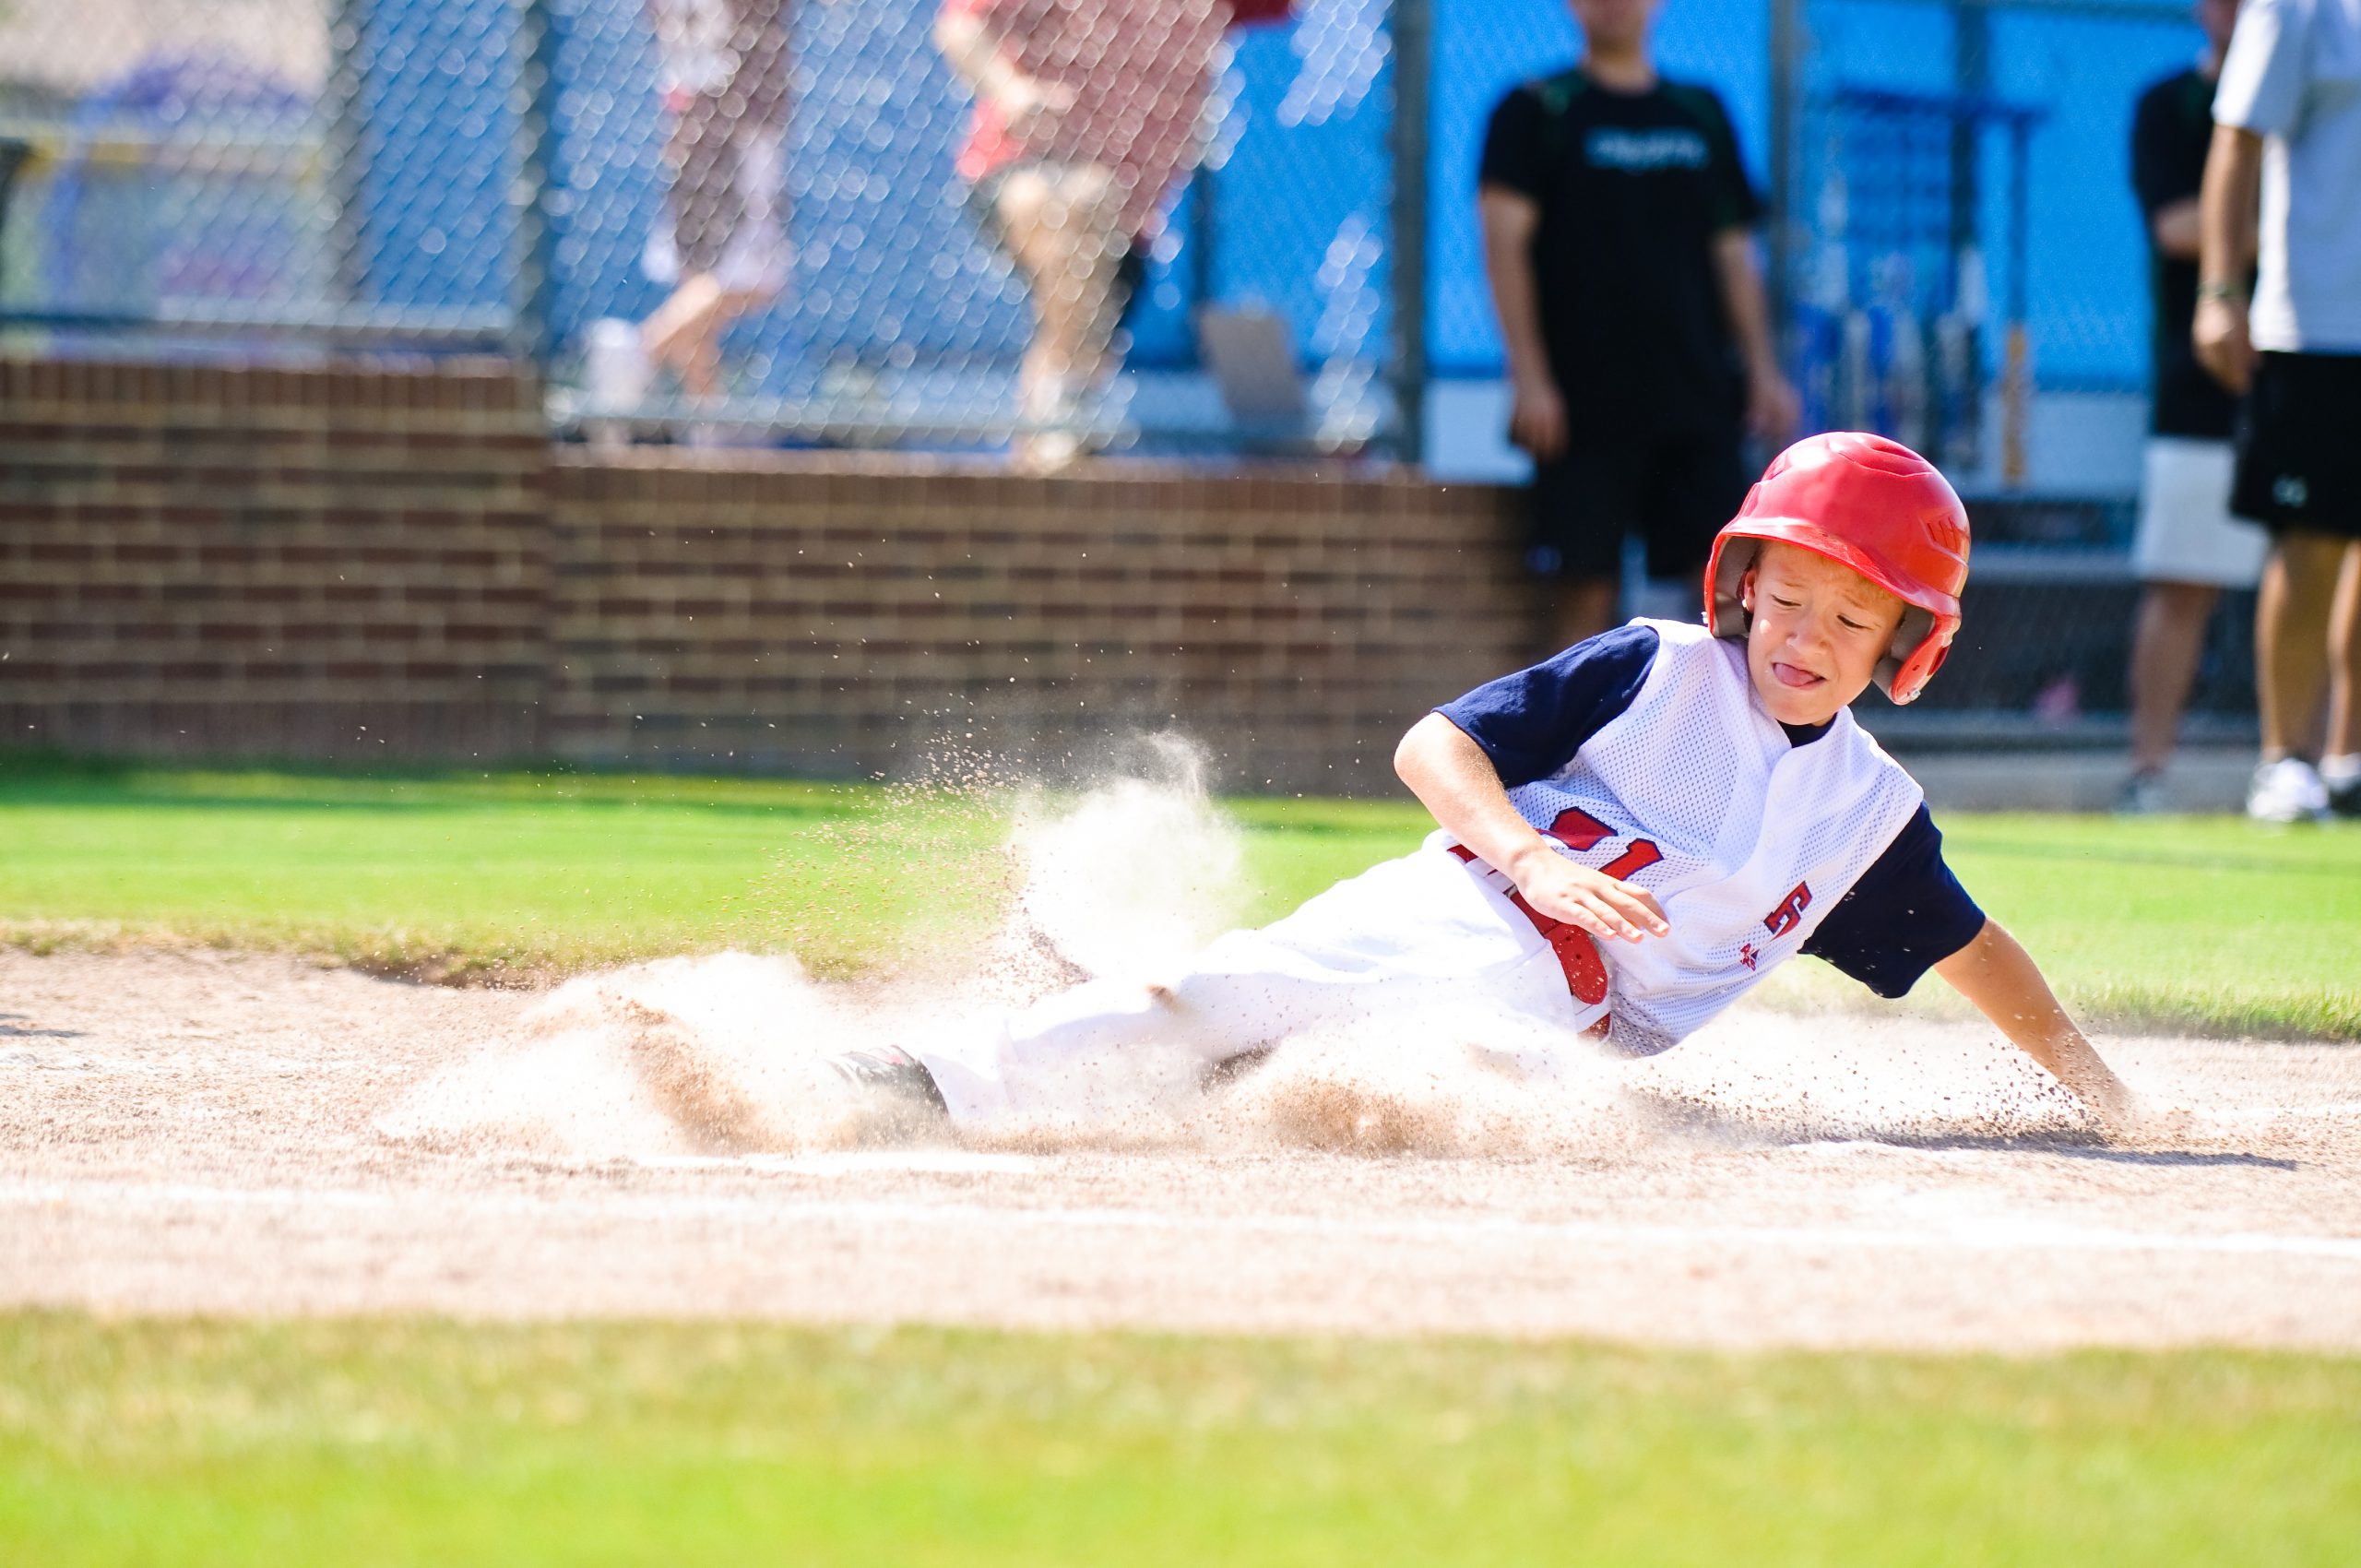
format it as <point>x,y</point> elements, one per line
<point>2188,547</point>
<point>1619,239</point>
<point>2287,123</point>
<point>721,245</point>
<point>1087,113</point>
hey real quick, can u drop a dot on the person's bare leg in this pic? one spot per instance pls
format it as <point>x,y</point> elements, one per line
<point>2344,661</point>
<point>1024,198</point>
<point>670,335</point>
<point>1061,234</point>
<point>699,348</point>
<point>2300,584</point>
<point>1584,607</point>
<point>2165,643</point>
<point>684,334</point>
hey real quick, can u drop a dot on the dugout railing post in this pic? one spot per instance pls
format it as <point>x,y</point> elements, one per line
<point>532,334</point>
<point>1787,85</point>
<point>1411,25</point>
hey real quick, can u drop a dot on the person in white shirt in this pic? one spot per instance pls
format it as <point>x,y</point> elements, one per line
<point>2287,120</point>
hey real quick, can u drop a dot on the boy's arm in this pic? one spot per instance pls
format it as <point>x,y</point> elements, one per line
<point>2000,978</point>
<point>1456,780</point>
<point>1772,412</point>
<point>1536,412</point>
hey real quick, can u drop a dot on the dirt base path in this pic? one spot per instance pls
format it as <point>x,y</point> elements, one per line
<point>199,1133</point>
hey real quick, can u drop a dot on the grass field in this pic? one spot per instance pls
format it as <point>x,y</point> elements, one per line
<point>2208,923</point>
<point>393,1442</point>
<point>402,1441</point>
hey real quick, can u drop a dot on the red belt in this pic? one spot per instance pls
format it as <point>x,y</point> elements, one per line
<point>1577,951</point>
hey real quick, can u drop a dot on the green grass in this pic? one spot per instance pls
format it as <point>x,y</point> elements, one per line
<point>2206,923</point>
<point>401,1442</point>
<point>2210,923</point>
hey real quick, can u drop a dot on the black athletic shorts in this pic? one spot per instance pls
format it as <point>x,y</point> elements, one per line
<point>1675,489</point>
<point>2299,446</point>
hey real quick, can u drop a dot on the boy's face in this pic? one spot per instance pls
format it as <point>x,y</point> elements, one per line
<point>1818,632</point>
<point>1614,24</point>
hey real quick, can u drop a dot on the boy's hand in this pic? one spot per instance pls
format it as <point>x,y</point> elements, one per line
<point>2109,1098</point>
<point>1584,898</point>
<point>2125,1115</point>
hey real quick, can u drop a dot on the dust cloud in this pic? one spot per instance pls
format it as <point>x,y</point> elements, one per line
<point>727,1055</point>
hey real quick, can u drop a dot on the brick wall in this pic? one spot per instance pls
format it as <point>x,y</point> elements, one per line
<point>831,613</point>
<point>301,563</point>
<point>334,564</point>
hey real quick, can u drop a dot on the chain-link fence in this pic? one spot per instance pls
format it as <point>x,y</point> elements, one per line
<point>1065,222</point>
<point>243,173</point>
<point>1954,235</point>
<point>1055,226</point>
<point>1058,222</point>
<point>1966,264</point>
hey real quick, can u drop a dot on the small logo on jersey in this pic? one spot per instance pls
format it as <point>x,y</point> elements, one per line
<point>1791,912</point>
<point>1641,152</point>
<point>2291,491</point>
<point>1748,956</point>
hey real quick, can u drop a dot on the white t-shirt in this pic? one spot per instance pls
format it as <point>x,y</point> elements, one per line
<point>2293,76</point>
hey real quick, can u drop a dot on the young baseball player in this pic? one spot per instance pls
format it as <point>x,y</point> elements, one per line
<point>1632,835</point>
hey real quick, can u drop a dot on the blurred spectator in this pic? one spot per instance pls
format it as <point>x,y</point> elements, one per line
<point>1087,114</point>
<point>722,246</point>
<point>1619,239</point>
<point>2287,118</point>
<point>2188,547</point>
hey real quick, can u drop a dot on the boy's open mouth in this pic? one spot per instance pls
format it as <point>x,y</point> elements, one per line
<point>1795,675</point>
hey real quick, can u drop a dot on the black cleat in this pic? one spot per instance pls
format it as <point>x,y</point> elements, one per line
<point>900,1094</point>
<point>2344,800</point>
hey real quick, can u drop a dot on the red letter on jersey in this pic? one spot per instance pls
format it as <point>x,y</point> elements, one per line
<point>1791,912</point>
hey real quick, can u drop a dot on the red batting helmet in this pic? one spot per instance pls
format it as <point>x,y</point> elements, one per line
<point>1871,505</point>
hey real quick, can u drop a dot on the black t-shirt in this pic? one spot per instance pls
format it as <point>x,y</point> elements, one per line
<point>1632,188</point>
<point>2171,133</point>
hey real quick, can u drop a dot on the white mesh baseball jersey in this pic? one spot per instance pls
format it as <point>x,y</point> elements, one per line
<point>1695,794</point>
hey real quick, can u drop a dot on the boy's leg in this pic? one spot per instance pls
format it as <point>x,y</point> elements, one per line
<point>1423,931</point>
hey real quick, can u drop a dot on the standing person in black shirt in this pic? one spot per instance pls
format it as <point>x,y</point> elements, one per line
<point>1619,239</point>
<point>2188,547</point>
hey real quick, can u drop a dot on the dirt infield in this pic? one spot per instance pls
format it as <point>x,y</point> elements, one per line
<point>199,1132</point>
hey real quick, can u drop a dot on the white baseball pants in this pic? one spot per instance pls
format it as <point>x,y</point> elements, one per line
<point>1427,931</point>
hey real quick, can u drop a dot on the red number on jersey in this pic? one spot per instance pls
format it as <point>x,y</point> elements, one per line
<point>1578,830</point>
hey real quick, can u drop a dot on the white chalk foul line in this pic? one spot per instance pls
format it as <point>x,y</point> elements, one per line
<point>1997,1234</point>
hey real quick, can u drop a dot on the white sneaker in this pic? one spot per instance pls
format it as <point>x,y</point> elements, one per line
<point>2143,795</point>
<point>2286,791</point>
<point>615,369</point>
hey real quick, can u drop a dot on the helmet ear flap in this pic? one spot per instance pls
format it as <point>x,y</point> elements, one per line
<point>1726,613</point>
<point>1920,645</point>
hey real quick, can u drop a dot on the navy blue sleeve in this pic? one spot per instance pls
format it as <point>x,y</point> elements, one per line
<point>1532,722</point>
<point>1907,914</point>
